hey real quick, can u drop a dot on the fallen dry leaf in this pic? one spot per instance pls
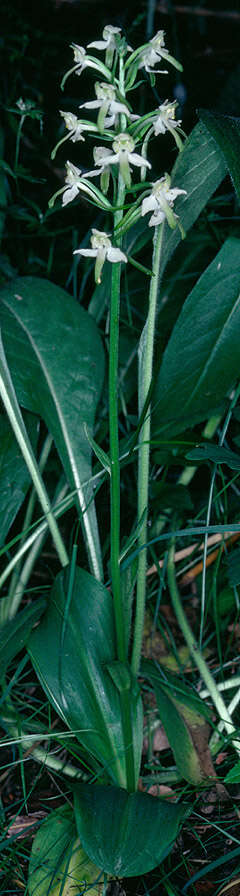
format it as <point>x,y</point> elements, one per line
<point>19,827</point>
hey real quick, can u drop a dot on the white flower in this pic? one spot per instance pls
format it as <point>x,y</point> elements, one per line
<point>123,155</point>
<point>165,118</point>
<point>108,43</point>
<point>100,154</point>
<point>80,57</point>
<point>82,61</point>
<point>76,126</point>
<point>152,54</point>
<point>165,121</point>
<point>73,181</point>
<point>161,202</point>
<point>102,250</point>
<point>107,104</point>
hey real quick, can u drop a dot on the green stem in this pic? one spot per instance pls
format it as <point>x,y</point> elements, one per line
<point>196,652</point>
<point>125,703</point>
<point>145,379</point>
<point>114,443</point>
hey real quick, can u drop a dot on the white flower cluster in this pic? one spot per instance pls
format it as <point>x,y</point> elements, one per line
<point>117,123</point>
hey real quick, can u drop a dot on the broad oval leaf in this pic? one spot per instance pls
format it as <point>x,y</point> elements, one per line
<point>70,650</point>
<point>125,834</point>
<point>58,865</point>
<point>225,129</point>
<point>201,361</point>
<point>56,360</point>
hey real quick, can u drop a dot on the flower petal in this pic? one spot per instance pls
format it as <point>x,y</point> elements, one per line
<point>93,104</point>
<point>98,44</point>
<point>138,160</point>
<point>88,252</point>
<point>109,160</point>
<point>69,194</point>
<point>148,204</point>
<point>115,255</point>
<point>157,218</point>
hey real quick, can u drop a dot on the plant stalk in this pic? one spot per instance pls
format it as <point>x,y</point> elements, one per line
<point>146,369</point>
<point>114,442</point>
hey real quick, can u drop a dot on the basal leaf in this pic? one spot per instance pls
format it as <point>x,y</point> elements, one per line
<point>184,718</point>
<point>71,652</point>
<point>225,129</point>
<point>56,361</point>
<point>201,361</point>
<point>58,864</point>
<point>125,834</point>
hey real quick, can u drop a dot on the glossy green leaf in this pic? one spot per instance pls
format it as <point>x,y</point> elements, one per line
<point>58,865</point>
<point>201,361</point>
<point>125,834</point>
<point>184,717</point>
<point>14,475</point>
<point>70,651</point>
<point>233,776</point>
<point>15,633</point>
<point>225,129</point>
<point>205,452</point>
<point>199,169</point>
<point>56,361</point>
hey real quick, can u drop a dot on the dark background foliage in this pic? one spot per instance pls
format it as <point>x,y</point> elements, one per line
<point>35,53</point>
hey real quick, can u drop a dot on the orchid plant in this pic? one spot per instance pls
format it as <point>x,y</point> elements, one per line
<point>86,649</point>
